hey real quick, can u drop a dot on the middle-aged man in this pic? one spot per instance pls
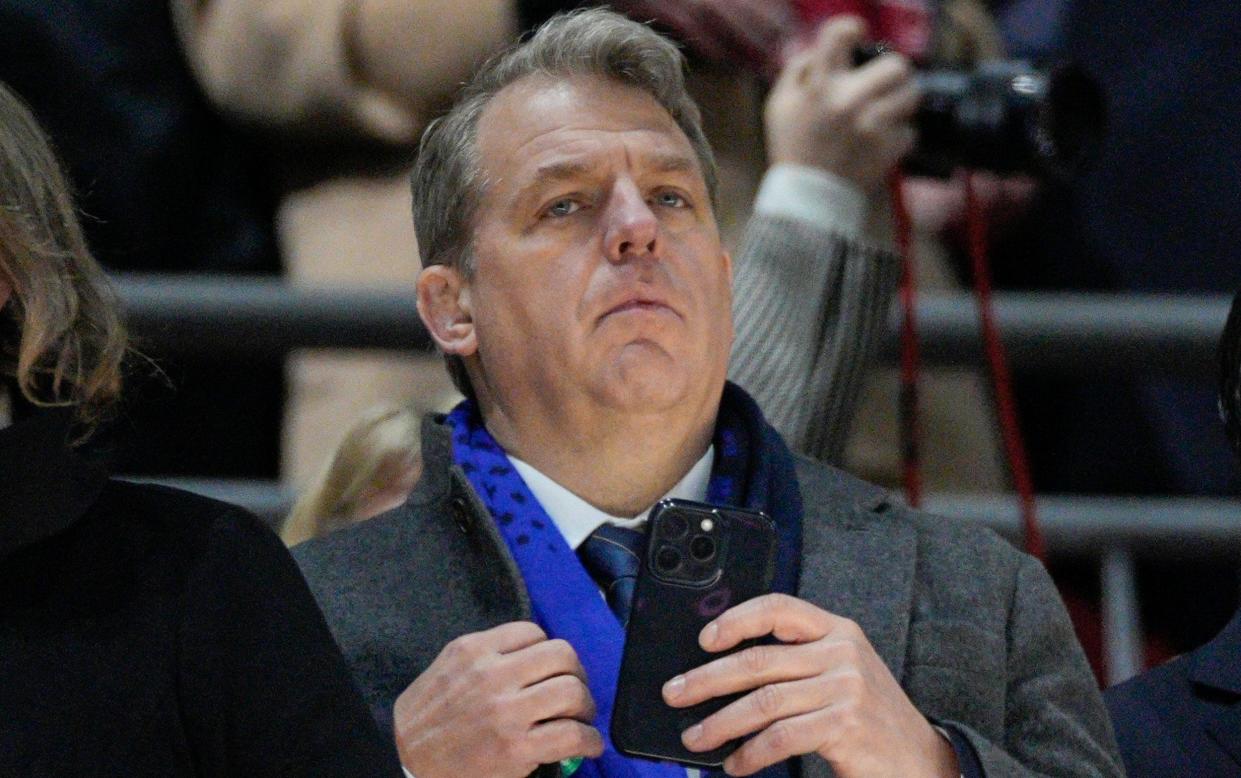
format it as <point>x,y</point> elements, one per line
<point>575,279</point>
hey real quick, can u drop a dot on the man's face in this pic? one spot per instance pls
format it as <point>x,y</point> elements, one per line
<point>599,275</point>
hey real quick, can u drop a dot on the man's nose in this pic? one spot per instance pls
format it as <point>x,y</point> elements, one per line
<point>632,227</point>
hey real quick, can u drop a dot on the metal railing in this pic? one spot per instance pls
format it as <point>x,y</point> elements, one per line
<point>1077,334</point>
<point>1060,333</point>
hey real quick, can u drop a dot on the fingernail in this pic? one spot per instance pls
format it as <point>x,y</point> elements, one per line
<point>693,734</point>
<point>673,688</point>
<point>709,634</point>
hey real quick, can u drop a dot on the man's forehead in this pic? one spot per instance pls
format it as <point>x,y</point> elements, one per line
<point>555,124</point>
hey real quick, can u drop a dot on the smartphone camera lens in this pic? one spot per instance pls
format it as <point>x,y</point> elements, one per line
<point>673,527</point>
<point>667,560</point>
<point>702,548</point>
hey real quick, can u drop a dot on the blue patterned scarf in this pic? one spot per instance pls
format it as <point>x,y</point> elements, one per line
<point>753,469</point>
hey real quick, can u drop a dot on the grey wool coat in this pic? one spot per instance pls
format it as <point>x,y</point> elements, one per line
<point>972,629</point>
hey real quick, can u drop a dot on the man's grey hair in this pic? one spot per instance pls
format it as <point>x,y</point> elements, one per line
<point>448,181</point>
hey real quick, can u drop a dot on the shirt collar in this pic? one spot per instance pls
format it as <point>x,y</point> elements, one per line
<point>576,518</point>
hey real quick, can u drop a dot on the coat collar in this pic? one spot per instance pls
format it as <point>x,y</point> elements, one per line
<point>1218,663</point>
<point>45,486</point>
<point>856,566</point>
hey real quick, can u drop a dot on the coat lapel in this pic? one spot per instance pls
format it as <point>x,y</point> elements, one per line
<point>861,567</point>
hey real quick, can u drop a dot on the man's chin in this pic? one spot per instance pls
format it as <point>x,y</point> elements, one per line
<point>655,387</point>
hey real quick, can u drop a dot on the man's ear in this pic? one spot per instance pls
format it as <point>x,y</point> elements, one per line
<point>444,305</point>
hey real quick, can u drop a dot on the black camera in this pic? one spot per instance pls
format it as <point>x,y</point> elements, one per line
<point>1005,116</point>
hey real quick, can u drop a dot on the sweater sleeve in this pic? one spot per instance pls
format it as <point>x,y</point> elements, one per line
<point>809,305</point>
<point>265,689</point>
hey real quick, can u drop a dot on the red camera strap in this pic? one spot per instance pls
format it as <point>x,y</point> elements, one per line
<point>997,361</point>
<point>911,363</point>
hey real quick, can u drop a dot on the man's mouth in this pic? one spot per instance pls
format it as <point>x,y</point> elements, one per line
<point>640,305</point>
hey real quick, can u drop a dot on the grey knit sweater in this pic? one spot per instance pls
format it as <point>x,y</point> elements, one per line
<point>809,308</point>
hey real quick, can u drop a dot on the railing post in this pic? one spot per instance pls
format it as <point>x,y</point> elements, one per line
<point>1122,619</point>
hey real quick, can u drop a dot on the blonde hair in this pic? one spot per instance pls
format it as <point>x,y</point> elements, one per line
<point>383,441</point>
<point>62,338</point>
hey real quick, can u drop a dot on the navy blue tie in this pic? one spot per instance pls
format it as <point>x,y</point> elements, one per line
<point>612,556</point>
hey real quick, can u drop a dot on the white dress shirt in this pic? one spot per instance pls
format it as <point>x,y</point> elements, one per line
<point>576,518</point>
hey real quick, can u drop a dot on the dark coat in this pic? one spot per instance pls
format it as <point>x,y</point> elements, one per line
<point>1184,718</point>
<point>972,629</point>
<point>145,631</point>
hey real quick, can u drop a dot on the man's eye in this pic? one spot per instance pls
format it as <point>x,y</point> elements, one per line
<point>670,200</point>
<point>563,207</point>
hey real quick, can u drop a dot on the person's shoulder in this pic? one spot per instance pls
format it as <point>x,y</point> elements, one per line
<point>192,518</point>
<point>1158,727</point>
<point>823,483</point>
<point>1150,691</point>
<point>841,497</point>
<point>364,554</point>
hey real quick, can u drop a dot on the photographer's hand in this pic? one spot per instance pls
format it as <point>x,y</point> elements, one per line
<point>823,691</point>
<point>851,121</point>
<point>497,703</point>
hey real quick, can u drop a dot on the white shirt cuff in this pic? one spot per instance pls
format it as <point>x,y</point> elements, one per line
<point>405,770</point>
<point>813,195</point>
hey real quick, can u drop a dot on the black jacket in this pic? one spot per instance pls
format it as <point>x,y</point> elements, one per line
<point>1184,718</point>
<point>148,631</point>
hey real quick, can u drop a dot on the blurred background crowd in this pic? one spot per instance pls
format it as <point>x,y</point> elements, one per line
<point>242,138</point>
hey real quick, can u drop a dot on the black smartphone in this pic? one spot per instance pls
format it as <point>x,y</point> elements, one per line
<point>700,561</point>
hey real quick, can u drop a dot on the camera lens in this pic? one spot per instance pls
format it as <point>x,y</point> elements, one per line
<point>673,527</point>
<point>667,560</point>
<point>702,548</point>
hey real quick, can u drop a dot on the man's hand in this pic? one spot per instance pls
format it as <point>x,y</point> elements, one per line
<point>497,703</point>
<point>824,691</point>
<point>851,121</point>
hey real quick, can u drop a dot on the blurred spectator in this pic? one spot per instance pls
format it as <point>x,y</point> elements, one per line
<point>805,331</point>
<point>166,186</point>
<point>373,469</point>
<point>1182,718</point>
<point>1156,214</point>
<point>960,442</point>
<point>144,630</point>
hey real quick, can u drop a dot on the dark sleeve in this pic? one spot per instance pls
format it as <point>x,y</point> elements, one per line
<point>967,757</point>
<point>265,689</point>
